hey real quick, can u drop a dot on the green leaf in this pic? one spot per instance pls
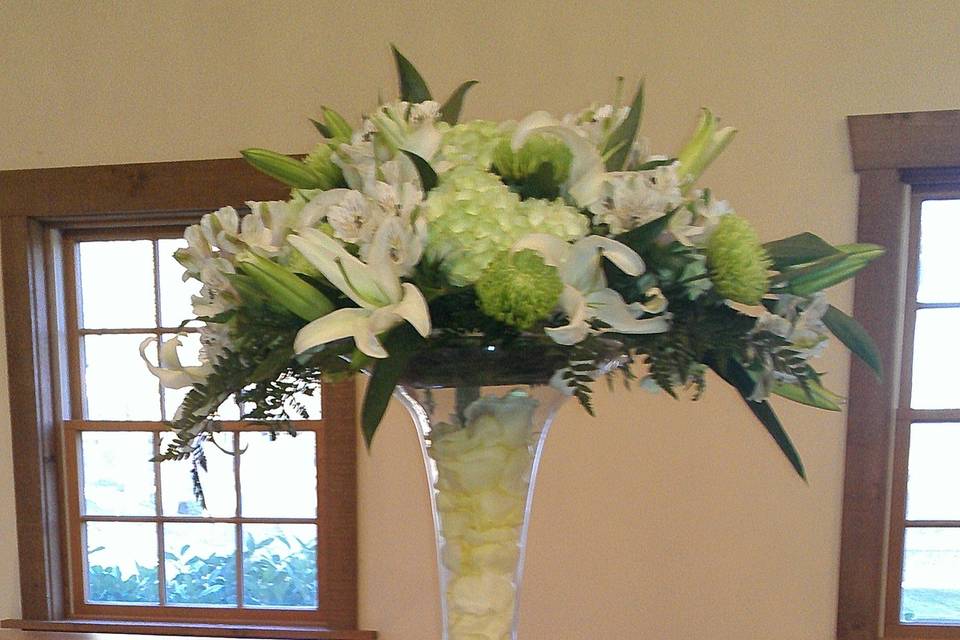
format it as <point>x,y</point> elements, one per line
<point>799,249</point>
<point>401,343</point>
<point>654,164</point>
<point>823,276</point>
<point>287,170</point>
<point>852,334</point>
<point>810,393</point>
<point>322,128</point>
<point>273,364</point>
<point>413,88</point>
<point>738,377</point>
<point>428,177</point>
<point>450,111</point>
<point>639,238</point>
<point>624,135</point>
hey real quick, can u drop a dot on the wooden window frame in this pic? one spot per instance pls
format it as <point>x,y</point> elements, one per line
<point>33,204</point>
<point>898,158</point>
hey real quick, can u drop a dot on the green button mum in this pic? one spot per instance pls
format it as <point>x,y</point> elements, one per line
<point>737,262</point>
<point>519,288</point>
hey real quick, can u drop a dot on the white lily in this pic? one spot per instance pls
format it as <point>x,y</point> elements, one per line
<point>586,296</point>
<point>172,374</point>
<point>586,170</point>
<point>383,300</point>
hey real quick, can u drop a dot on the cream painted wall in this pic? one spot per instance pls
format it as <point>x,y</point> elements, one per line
<point>658,519</point>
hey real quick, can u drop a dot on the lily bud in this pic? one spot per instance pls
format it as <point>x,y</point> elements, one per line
<point>703,148</point>
<point>284,287</point>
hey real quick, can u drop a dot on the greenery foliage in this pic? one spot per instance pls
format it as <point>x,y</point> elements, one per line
<point>270,578</point>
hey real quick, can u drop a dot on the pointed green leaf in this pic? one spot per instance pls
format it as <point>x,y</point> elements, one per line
<point>401,343</point>
<point>450,111</point>
<point>413,88</point>
<point>625,134</point>
<point>832,274</point>
<point>322,128</point>
<point>811,393</point>
<point>852,334</point>
<point>654,164</point>
<point>738,377</point>
<point>799,249</point>
<point>287,170</point>
<point>428,177</point>
<point>639,238</point>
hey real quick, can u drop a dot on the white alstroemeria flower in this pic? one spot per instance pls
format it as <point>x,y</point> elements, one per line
<point>410,127</point>
<point>694,227</point>
<point>219,227</point>
<point>397,244</point>
<point>628,200</point>
<point>384,301</point>
<point>586,170</point>
<point>171,373</point>
<point>358,162</point>
<point>597,122</point>
<point>264,229</point>
<point>353,217</point>
<point>196,254</point>
<point>586,296</point>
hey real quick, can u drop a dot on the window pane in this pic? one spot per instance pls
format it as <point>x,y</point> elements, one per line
<point>122,562</point>
<point>280,565</point>
<point>218,484</point>
<point>118,476</point>
<point>939,259</point>
<point>201,563</point>
<point>116,284</point>
<point>175,294</point>
<point>117,384</point>
<point>936,350</point>
<point>931,576</point>
<point>934,475</point>
<point>278,479</point>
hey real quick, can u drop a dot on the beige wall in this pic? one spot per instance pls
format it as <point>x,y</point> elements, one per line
<point>658,519</point>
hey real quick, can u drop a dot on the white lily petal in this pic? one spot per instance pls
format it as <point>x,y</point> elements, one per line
<point>587,171</point>
<point>608,307</point>
<point>336,325</point>
<point>367,342</point>
<point>413,308</point>
<point>568,333</point>
<point>344,271</point>
<point>423,141</point>
<point>625,258</point>
<point>553,249</point>
<point>574,305</point>
<point>170,372</point>
<point>536,120</point>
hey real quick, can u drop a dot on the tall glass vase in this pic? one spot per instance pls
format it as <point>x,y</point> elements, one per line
<point>482,411</point>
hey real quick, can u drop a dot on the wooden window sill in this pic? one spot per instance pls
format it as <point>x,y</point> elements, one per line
<point>13,629</point>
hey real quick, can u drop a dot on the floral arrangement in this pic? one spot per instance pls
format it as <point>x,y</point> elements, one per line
<point>413,229</point>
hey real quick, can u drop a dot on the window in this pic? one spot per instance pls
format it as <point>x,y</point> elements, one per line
<point>124,540</point>
<point>900,558</point>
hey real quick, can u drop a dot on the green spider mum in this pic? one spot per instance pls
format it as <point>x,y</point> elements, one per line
<point>736,261</point>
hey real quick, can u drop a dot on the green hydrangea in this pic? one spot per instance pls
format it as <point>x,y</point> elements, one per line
<point>737,262</point>
<point>519,288</point>
<point>321,161</point>
<point>473,217</point>
<point>514,166</point>
<point>471,143</point>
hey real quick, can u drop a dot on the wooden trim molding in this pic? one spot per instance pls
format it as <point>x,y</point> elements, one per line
<point>33,204</point>
<point>925,139</point>
<point>894,154</point>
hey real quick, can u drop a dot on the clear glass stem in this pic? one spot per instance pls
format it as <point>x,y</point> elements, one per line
<point>481,448</point>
